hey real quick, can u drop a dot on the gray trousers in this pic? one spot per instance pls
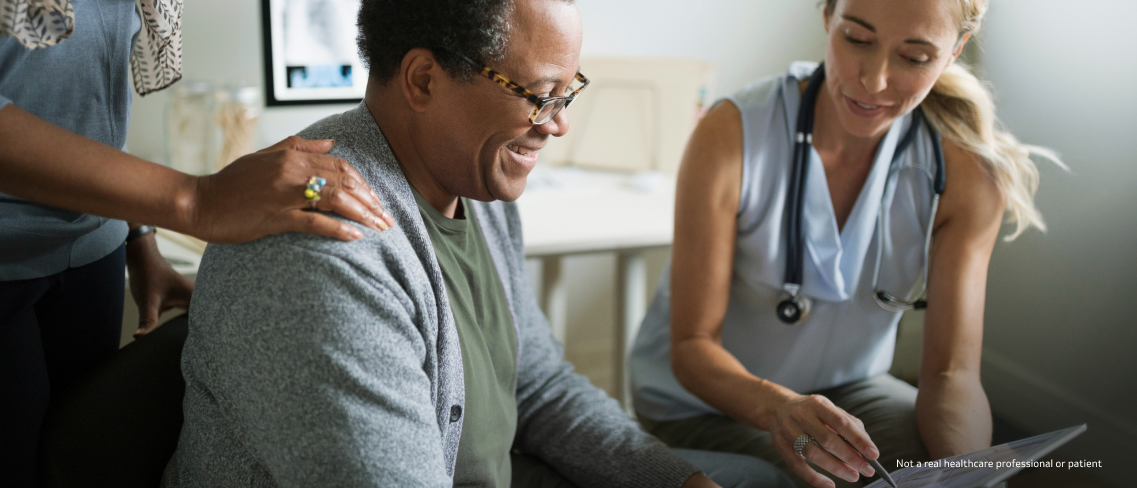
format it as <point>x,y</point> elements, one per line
<point>726,469</point>
<point>885,404</point>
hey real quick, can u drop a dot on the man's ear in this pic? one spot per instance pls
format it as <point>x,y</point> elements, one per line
<point>825,15</point>
<point>418,77</point>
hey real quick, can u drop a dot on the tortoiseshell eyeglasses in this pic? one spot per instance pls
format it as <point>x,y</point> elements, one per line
<point>547,107</point>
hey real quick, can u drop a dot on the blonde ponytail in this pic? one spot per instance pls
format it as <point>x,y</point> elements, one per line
<point>962,110</point>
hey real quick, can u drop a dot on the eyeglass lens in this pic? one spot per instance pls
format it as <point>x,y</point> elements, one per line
<point>548,111</point>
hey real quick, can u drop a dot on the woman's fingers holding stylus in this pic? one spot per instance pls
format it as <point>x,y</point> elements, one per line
<point>847,439</point>
<point>838,426</point>
<point>800,467</point>
<point>816,455</point>
<point>825,424</point>
<point>835,456</point>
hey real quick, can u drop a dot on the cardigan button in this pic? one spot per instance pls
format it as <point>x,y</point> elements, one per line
<point>455,413</point>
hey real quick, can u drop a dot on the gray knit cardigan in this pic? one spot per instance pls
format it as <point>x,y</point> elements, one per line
<point>315,362</point>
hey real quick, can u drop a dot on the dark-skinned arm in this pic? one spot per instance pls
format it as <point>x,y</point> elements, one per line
<point>259,194</point>
<point>154,284</point>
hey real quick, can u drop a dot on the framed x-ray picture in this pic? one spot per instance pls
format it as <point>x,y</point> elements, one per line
<point>310,52</point>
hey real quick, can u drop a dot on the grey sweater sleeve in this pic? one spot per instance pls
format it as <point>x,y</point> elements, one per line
<point>312,356</point>
<point>562,418</point>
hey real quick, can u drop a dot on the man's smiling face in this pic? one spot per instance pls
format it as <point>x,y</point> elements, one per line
<point>486,146</point>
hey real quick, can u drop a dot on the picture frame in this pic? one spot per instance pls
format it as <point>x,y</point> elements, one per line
<point>310,54</point>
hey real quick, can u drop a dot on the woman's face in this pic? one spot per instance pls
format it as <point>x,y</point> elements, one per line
<point>884,56</point>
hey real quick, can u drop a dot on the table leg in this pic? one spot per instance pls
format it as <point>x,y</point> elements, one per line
<point>554,296</point>
<point>631,307</point>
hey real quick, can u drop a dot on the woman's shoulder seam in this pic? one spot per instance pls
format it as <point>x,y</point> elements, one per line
<point>758,93</point>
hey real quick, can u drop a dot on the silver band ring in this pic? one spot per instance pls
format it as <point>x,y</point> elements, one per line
<point>800,443</point>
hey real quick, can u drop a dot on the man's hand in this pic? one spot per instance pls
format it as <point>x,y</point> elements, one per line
<point>154,284</point>
<point>263,193</point>
<point>699,480</point>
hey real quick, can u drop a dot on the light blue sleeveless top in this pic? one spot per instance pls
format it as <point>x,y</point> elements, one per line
<point>847,336</point>
<point>81,85</point>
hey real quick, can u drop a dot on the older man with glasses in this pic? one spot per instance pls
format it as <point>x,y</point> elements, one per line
<point>418,356</point>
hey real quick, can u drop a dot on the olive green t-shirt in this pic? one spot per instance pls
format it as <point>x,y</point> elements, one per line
<point>488,341</point>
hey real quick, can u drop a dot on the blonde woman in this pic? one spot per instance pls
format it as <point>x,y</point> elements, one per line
<point>803,220</point>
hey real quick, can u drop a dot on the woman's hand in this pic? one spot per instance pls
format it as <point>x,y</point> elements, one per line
<point>263,193</point>
<point>154,284</point>
<point>816,416</point>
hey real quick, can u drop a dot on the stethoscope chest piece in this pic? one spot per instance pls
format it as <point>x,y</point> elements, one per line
<point>794,309</point>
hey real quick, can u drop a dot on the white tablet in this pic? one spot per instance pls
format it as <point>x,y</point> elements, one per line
<point>982,469</point>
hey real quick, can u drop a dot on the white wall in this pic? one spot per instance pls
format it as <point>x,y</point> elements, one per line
<point>1062,306</point>
<point>743,39</point>
<point>221,45</point>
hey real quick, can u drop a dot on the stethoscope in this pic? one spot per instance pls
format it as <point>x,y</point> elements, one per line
<point>795,306</point>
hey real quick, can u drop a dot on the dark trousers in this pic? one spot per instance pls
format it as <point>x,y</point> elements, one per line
<point>52,330</point>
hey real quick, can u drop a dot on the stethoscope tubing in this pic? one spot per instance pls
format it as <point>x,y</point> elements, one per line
<point>803,141</point>
<point>795,308</point>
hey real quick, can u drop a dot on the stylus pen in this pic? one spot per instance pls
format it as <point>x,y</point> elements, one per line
<point>881,471</point>
<point>875,465</point>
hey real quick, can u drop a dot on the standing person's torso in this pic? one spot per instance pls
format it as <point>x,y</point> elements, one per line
<point>847,337</point>
<point>82,85</point>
